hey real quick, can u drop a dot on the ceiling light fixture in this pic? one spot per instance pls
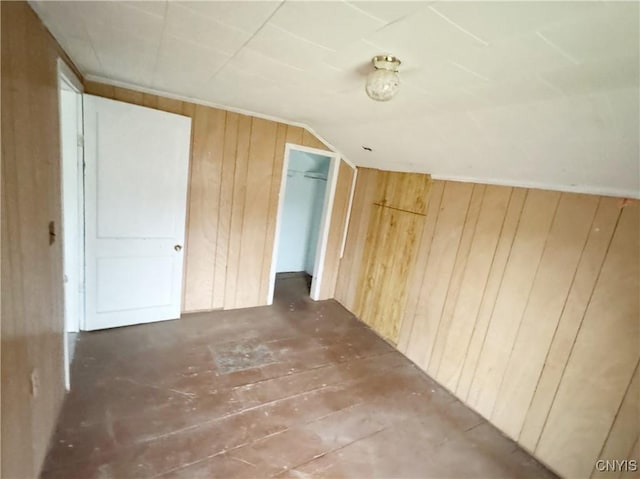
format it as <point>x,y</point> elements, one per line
<point>384,81</point>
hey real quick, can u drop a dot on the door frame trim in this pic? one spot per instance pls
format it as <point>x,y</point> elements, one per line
<point>325,222</point>
<point>67,79</point>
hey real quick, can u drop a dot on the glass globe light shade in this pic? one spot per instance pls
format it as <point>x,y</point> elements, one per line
<point>383,83</point>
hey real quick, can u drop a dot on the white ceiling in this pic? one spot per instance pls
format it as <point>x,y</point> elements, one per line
<point>522,93</point>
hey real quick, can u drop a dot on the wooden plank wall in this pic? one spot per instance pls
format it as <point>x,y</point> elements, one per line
<point>523,303</point>
<point>337,228</point>
<point>32,292</point>
<point>235,177</point>
<point>396,208</point>
<point>351,262</point>
<point>233,200</point>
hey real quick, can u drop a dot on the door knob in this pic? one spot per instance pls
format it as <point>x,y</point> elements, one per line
<point>177,247</point>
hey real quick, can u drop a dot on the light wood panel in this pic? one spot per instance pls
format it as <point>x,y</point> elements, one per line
<point>455,282</point>
<point>513,296</point>
<point>256,207</point>
<point>349,271</point>
<point>434,198</point>
<point>281,137</point>
<point>235,176</point>
<point>32,292</point>
<point>483,246</point>
<point>336,230</point>
<point>602,360</point>
<point>225,211</point>
<point>204,188</point>
<point>383,283</point>
<point>490,293</point>
<point>438,270</point>
<point>634,454</point>
<point>571,319</point>
<point>622,440</point>
<point>402,191</point>
<point>564,246</point>
<point>523,303</point>
<point>397,216</point>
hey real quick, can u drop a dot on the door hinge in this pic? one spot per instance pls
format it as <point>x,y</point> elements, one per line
<point>80,141</point>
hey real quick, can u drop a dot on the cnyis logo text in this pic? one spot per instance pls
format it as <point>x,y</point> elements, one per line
<point>617,465</point>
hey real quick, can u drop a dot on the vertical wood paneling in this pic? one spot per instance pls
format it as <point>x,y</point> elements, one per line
<point>32,288</point>
<point>235,175</point>
<point>336,230</point>
<point>571,319</point>
<point>403,191</point>
<point>485,240</point>
<point>490,294</point>
<point>434,199</point>
<point>433,362</point>
<point>204,197</point>
<point>602,361</point>
<point>276,183</point>
<point>448,232</point>
<point>237,214</point>
<point>187,109</point>
<point>254,226</point>
<point>387,299</point>
<point>129,96</point>
<point>295,135</point>
<point>102,89</point>
<point>349,271</point>
<point>634,454</point>
<point>382,285</point>
<point>225,210</point>
<point>524,303</point>
<point>625,429</point>
<point>513,296</point>
<point>563,249</point>
<point>311,141</point>
<point>370,267</point>
<point>150,101</point>
<point>173,106</point>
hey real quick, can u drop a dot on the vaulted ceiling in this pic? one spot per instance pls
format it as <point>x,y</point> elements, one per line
<point>524,93</point>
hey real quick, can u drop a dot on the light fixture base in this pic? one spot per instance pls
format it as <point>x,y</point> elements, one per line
<point>386,62</point>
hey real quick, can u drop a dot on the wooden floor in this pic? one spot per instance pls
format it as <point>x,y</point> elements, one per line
<point>297,390</point>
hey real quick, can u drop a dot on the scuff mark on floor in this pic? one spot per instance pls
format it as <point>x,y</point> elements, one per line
<point>242,356</point>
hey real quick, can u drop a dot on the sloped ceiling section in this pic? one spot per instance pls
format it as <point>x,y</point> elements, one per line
<point>522,93</point>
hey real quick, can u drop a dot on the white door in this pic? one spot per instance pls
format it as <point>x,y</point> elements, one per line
<point>137,162</point>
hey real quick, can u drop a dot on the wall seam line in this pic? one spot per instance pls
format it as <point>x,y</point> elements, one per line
<point>526,306</point>
<point>424,272</point>
<point>453,269</point>
<point>573,344</point>
<point>244,204</point>
<point>564,305</point>
<point>215,252</point>
<point>484,290</point>
<point>493,307</point>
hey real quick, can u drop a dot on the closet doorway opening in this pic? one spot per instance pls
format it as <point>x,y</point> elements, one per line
<point>304,213</point>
